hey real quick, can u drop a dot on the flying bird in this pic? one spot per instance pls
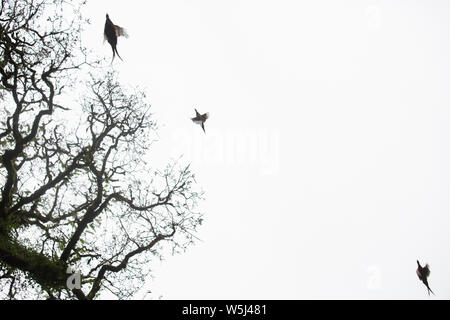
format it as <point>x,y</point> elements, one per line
<point>423,273</point>
<point>200,119</point>
<point>111,33</point>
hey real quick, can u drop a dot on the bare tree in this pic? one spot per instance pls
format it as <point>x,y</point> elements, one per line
<point>78,193</point>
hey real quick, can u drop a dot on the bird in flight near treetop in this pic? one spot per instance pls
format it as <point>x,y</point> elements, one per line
<point>111,33</point>
<point>423,273</point>
<point>200,119</point>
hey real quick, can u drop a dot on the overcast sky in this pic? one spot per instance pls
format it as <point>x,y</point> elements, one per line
<point>326,158</point>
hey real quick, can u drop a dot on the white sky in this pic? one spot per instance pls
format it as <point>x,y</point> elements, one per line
<point>326,158</point>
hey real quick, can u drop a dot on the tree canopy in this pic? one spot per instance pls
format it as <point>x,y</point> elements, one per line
<point>78,193</point>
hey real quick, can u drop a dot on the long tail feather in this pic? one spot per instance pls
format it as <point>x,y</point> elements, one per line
<point>118,54</point>
<point>429,290</point>
<point>114,50</point>
<point>114,54</point>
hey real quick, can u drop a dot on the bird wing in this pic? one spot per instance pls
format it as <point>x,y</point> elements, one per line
<point>203,127</point>
<point>196,113</point>
<point>121,32</point>
<point>426,270</point>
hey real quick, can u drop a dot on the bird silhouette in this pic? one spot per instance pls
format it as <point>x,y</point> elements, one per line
<point>111,33</point>
<point>200,119</point>
<point>423,273</point>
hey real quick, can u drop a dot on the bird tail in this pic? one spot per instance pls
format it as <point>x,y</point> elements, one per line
<point>428,287</point>
<point>114,50</point>
<point>429,290</point>
<point>118,54</point>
